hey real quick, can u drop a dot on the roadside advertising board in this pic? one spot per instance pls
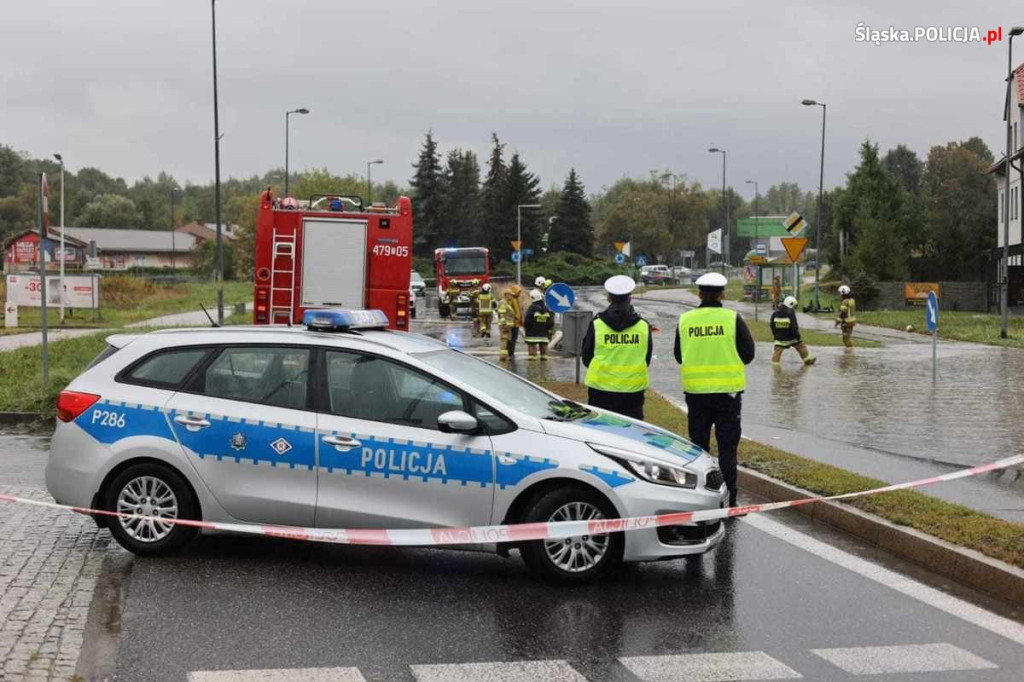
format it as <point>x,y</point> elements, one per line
<point>80,291</point>
<point>916,293</point>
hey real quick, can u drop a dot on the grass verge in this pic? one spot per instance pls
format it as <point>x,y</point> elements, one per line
<point>21,377</point>
<point>953,523</point>
<point>154,301</point>
<point>956,325</point>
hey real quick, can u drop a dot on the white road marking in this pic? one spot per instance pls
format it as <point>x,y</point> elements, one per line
<point>513,671</point>
<point>279,675</point>
<point>909,658</point>
<point>744,665</point>
<point>959,608</point>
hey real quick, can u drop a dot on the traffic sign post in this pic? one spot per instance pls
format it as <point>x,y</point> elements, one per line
<point>620,258</point>
<point>931,315</point>
<point>794,247</point>
<point>516,257</point>
<point>560,297</point>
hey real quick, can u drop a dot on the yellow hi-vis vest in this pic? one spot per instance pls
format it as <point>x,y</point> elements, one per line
<point>620,358</point>
<point>711,363</point>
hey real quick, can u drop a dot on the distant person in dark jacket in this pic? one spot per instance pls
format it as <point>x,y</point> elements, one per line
<point>786,332</point>
<point>538,324</point>
<point>617,351</point>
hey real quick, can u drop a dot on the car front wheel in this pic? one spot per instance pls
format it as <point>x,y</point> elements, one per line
<point>574,560</point>
<point>155,491</point>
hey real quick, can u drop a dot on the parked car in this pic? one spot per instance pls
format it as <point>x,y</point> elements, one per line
<point>417,284</point>
<point>331,427</point>
<point>655,274</point>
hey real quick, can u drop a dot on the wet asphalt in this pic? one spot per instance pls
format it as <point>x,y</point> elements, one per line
<point>239,603</point>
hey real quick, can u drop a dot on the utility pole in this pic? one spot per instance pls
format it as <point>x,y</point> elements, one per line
<point>286,126</point>
<point>519,238</point>
<point>61,256</point>
<point>757,213</point>
<point>821,188</point>
<point>725,212</point>
<point>369,183</point>
<point>216,176</point>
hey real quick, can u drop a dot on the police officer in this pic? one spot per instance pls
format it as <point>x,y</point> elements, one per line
<point>617,351</point>
<point>712,346</point>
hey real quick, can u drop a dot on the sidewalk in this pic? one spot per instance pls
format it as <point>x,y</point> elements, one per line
<point>195,318</point>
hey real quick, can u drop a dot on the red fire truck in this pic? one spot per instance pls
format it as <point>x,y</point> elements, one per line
<point>331,252</point>
<point>467,269</point>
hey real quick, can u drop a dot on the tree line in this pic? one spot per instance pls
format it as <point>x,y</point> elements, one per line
<point>895,217</point>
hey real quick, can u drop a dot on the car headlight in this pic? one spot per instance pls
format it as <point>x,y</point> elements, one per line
<point>652,470</point>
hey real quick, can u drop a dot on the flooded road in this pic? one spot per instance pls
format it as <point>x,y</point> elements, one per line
<point>874,411</point>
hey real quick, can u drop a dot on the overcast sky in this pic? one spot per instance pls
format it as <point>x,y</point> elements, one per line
<point>611,88</point>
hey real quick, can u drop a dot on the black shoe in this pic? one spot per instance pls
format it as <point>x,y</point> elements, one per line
<point>732,498</point>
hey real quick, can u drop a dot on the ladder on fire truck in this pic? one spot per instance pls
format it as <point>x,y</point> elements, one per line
<point>283,247</point>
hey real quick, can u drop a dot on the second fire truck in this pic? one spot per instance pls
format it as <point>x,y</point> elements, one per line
<point>331,252</point>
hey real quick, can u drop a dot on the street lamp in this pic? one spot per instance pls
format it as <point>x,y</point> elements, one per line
<point>174,250</point>
<point>519,239</point>
<point>216,173</point>
<point>286,115</point>
<point>725,212</point>
<point>821,188</point>
<point>369,184</point>
<point>60,257</point>
<point>757,286</point>
<point>1005,307</point>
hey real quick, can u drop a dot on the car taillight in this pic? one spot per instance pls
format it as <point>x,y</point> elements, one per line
<point>402,314</point>
<point>70,404</point>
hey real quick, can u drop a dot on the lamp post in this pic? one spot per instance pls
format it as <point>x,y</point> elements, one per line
<point>286,115</point>
<point>369,183</point>
<point>725,212</point>
<point>519,239</point>
<point>216,165</point>
<point>1005,307</point>
<point>821,188</point>
<point>60,257</point>
<point>757,285</point>
<point>174,250</point>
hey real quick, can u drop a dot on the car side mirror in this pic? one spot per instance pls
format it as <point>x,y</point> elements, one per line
<point>457,421</point>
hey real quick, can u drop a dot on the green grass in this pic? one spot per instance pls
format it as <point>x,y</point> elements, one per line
<point>955,325</point>
<point>165,300</point>
<point>761,332</point>
<point>953,523</point>
<point>21,374</point>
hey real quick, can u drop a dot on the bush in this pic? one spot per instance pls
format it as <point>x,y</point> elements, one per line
<point>124,291</point>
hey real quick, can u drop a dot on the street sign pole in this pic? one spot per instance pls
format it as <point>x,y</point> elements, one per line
<point>44,194</point>
<point>931,315</point>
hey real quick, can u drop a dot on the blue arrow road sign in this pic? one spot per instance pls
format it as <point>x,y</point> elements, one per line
<point>516,257</point>
<point>560,297</point>
<point>641,261</point>
<point>620,258</point>
<point>931,311</point>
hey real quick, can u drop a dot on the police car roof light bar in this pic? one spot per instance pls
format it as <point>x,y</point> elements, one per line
<point>334,319</point>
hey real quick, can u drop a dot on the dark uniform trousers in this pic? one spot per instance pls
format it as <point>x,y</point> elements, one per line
<point>723,412</point>
<point>626,404</point>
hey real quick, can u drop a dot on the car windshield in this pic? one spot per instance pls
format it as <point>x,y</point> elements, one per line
<point>416,277</point>
<point>468,264</point>
<point>506,388</point>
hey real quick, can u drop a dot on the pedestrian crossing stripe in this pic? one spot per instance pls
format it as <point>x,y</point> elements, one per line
<point>795,223</point>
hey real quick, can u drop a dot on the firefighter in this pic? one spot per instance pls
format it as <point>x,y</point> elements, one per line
<point>538,325</point>
<point>453,299</point>
<point>538,286</point>
<point>509,319</point>
<point>617,351</point>
<point>484,310</point>
<point>847,318</point>
<point>786,332</point>
<point>712,346</point>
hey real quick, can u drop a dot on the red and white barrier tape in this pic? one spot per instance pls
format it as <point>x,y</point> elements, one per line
<point>515,532</point>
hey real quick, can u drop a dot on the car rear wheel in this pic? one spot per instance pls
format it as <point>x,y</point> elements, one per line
<point>575,560</point>
<point>151,490</point>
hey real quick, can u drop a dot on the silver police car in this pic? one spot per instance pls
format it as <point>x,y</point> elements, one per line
<point>343,424</point>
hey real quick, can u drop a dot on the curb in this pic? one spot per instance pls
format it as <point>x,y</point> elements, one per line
<point>966,566</point>
<point>21,418</point>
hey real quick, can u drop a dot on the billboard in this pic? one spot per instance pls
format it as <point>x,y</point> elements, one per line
<point>80,291</point>
<point>916,293</point>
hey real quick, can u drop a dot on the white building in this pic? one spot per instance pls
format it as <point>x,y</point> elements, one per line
<point>1014,109</point>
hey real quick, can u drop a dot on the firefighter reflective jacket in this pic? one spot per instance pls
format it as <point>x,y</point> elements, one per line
<point>538,323</point>
<point>710,361</point>
<point>785,329</point>
<point>620,358</point>
<point>847,311</point>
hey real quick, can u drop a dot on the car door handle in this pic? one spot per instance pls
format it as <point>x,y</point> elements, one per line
<point>191,423</point>
<point>341,442</point>
<point>505,459</point>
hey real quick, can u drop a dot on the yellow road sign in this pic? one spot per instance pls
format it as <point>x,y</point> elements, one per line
<point>794,224</point>
<point>516,245</point>
<point>794,247</point>
<point>619,246</point>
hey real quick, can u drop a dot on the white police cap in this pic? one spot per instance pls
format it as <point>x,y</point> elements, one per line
<point>619,285</point>
<point>712,280</point>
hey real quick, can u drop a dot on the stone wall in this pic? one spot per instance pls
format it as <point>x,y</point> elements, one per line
<point>952,296</point>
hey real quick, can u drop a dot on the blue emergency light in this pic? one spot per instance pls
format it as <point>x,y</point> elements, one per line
<point>335,319</point>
